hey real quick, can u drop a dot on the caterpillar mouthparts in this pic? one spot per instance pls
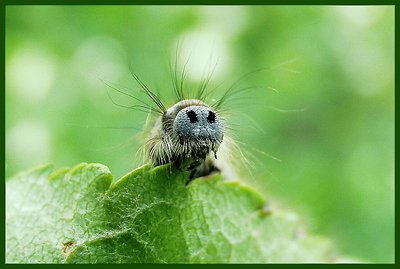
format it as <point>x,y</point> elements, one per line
<point>189,130</point>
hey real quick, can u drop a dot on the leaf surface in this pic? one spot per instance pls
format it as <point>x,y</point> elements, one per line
<point>148,216</point>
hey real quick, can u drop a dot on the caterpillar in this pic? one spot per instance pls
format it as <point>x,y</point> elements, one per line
<point>189,130</point>
<point>192,132</point>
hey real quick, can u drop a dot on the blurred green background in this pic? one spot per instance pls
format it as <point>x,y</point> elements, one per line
<point>324,105</point>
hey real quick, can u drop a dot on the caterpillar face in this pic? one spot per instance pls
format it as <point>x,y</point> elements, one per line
<point>190,129</point>
<point>200,124</point>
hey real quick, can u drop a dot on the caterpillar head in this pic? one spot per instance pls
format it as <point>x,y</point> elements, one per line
<point>190,129</point>
<point>194,127</point>
<point>198,124</point>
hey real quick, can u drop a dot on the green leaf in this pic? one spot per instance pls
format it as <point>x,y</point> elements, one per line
<point>150,215</point>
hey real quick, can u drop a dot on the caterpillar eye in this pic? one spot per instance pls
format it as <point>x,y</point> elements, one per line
<point>192,116</point>
<point>211,117</point>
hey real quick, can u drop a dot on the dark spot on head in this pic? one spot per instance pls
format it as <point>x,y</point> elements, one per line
<point>192,116</point>
<point>211,117</point>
